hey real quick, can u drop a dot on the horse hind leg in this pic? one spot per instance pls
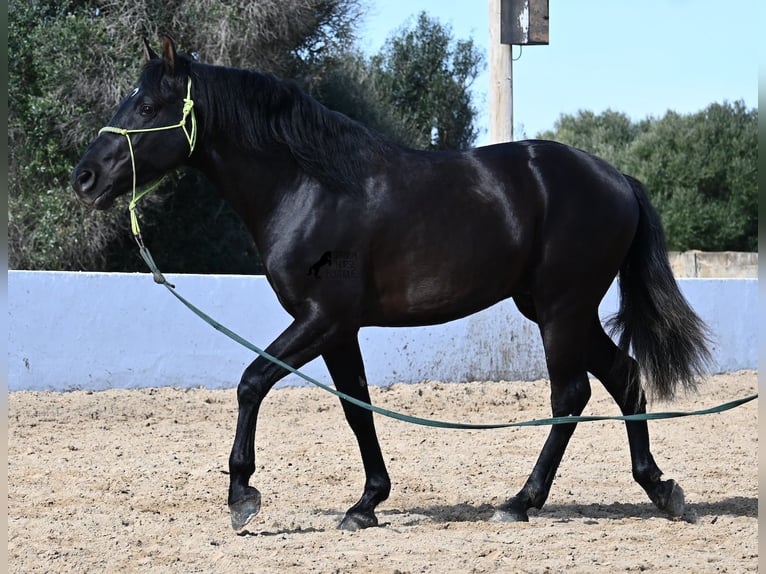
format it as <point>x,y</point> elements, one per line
<point>570,391</point>
<point>619,374</point>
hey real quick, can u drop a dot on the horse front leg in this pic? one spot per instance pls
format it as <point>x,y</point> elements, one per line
<point>347,370</point>
<point>301,342</point>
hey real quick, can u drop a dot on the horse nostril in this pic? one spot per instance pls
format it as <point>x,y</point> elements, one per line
<point>84,180</point>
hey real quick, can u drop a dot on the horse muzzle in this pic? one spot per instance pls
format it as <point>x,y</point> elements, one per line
<point>88,190</point>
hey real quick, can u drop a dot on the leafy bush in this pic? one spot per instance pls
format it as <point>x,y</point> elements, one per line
<point>700,169</point>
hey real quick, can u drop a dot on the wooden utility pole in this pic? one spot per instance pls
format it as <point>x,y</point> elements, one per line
<point>500,81</point>
<point>511,22</point>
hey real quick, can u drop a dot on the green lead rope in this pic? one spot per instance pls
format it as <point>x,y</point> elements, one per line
<point>409,418</point>
<point>437,423</point>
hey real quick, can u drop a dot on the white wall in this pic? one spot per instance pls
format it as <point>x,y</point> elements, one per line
<point>98,331</point>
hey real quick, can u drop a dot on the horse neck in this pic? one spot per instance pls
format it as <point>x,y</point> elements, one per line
<point>252,183</point>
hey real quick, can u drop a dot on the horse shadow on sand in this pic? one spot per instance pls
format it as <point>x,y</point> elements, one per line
<point>735,506</point>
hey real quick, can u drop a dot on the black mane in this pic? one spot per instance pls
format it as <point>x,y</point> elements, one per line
<point>260,112</point>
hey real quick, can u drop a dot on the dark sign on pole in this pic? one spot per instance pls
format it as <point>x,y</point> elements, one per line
<point>524,22</point>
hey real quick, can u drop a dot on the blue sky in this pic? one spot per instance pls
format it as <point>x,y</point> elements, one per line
<point>639,57</point>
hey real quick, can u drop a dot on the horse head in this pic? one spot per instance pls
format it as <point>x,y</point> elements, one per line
<point>152,132</point>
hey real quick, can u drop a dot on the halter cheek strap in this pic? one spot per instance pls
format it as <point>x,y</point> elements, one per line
<point>191,137</point>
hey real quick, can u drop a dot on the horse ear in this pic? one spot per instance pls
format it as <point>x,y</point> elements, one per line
<point>149,54</point>
<point>168,53</point>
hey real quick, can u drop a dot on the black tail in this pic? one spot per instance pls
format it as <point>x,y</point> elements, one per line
<point>669,341</point>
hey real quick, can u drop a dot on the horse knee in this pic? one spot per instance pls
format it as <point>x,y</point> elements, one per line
<point>252,387</point>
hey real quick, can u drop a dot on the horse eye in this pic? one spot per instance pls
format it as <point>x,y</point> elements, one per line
<point>147,110</point>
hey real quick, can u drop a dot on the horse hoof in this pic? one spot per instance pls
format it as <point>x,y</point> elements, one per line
<point>243,511</point>
<point>509,513</point>
<point>675,505</point>
<point>354,522</point>
<point>669,497</point>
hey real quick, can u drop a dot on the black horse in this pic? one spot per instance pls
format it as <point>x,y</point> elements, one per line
<point>435,236</point>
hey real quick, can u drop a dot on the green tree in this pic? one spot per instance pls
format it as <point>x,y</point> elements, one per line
<point>426,76</point>
<point>702,172</point>
<point>700,169</point>
<point>607,135</point>
<point>347,84</point>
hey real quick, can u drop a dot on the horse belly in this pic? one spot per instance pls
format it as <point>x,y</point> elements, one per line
<point>429,288</point>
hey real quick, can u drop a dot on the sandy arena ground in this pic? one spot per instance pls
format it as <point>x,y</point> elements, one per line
<point>135,481</point>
